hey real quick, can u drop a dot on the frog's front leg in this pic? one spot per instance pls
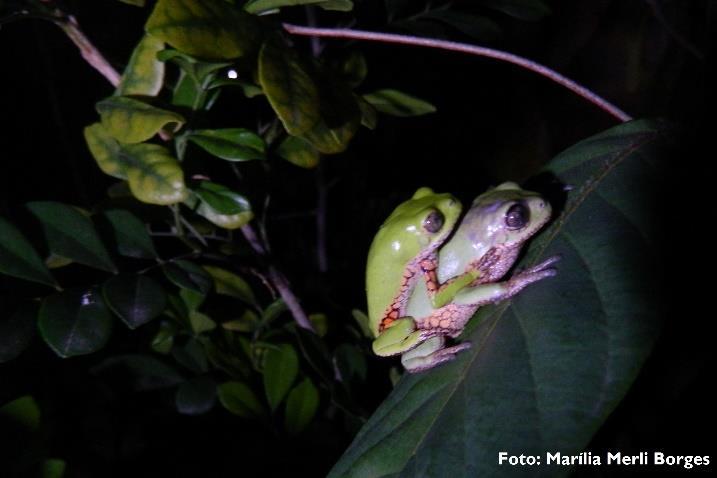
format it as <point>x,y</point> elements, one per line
<point>442,294</point>
<point>401,336</point>
<point>496,291</point>
<point>430,353</point>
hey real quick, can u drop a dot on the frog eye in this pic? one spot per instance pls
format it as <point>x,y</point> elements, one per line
<point>433,222</point>
<point>517,216</point>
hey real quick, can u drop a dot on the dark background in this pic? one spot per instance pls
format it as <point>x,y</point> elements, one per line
<point>494,122</point>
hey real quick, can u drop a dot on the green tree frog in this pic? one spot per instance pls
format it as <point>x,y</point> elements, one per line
<point>403,254</point>
<point>470,265</point>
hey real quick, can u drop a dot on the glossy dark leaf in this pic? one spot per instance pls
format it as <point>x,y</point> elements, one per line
<point>547,368</point>
<point>281,367</point>
<point>209,29</point>
<point>71,234</point>
<point>19,259</point>
<point>240,400</point>
<point>222,206</point>
<point>75,322</point>
<point>130,234</point>
<point>188,275</point>
<point>17,330</point>
<point>231,144</point>
<point>135,299</point>
<point>196,396</point>
<point>301,406</point>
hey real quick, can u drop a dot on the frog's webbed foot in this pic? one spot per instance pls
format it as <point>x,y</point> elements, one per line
<point>430,353</point>
<point>532,274</point>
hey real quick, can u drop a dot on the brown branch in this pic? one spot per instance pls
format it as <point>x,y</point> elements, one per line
<point>279,281</point>
<point>89,52</point>
<point>464,48</point>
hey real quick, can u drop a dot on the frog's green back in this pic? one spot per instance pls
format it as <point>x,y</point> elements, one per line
<point>401,239</point>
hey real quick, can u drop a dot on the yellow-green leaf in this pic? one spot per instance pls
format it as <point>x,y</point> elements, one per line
<point>144,73</point>
<point>332,140</point>
<point>299,152</point>
<point>154,175</point>
<point>398,103</point>
<point>209,29</point>
<point>259,6</point>
<point>133,121</point>
<point>289,88</point>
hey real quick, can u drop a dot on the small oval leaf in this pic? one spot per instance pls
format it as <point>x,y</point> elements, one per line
<point>228,283</point>
<point>132,121</point>
<point>240,400</point>
<point>301,406</point>
<point>397,103</point>
<point>71,234</point>
<point>135,299</point>
<point>19,259</point>
<point>231,144</point>
<point>281,366</point>
<point>75,322</point>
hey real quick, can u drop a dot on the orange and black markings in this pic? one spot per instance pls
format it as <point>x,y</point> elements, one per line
<point>393,311</point>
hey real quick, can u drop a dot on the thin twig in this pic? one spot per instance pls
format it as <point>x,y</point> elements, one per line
<point>464,48</point>
<point>91,54</point>
<point>279,281</point>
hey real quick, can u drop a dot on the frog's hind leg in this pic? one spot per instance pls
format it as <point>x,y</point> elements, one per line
<point>430,353</point>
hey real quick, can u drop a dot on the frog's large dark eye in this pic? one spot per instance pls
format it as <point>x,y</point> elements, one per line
<point>433,222</point>
<point>517,216</point>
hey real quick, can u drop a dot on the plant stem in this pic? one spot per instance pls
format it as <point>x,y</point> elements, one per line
<point>463,48</point>
<point>91,54</point>
<point>279,281</point>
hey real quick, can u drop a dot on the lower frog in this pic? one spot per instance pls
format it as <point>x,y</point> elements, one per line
<point>485,246</point>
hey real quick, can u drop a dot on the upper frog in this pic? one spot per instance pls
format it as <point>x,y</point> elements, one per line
<point>413,231</point>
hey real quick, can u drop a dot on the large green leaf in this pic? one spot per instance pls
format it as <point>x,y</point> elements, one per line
<point>18,258</point>
<point>144,74</point>
<point>132,121</point>
<point>75,322</point>
<point>130,234</point>
<point>548,367</point>
<point>135,299</point>
<point>209,29</point>
<point>71,234</point>
<point>232,144</point>
<point>154,175</point>
<point>280,369</point>
<point>340,117</point>
<point>289,88</point>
